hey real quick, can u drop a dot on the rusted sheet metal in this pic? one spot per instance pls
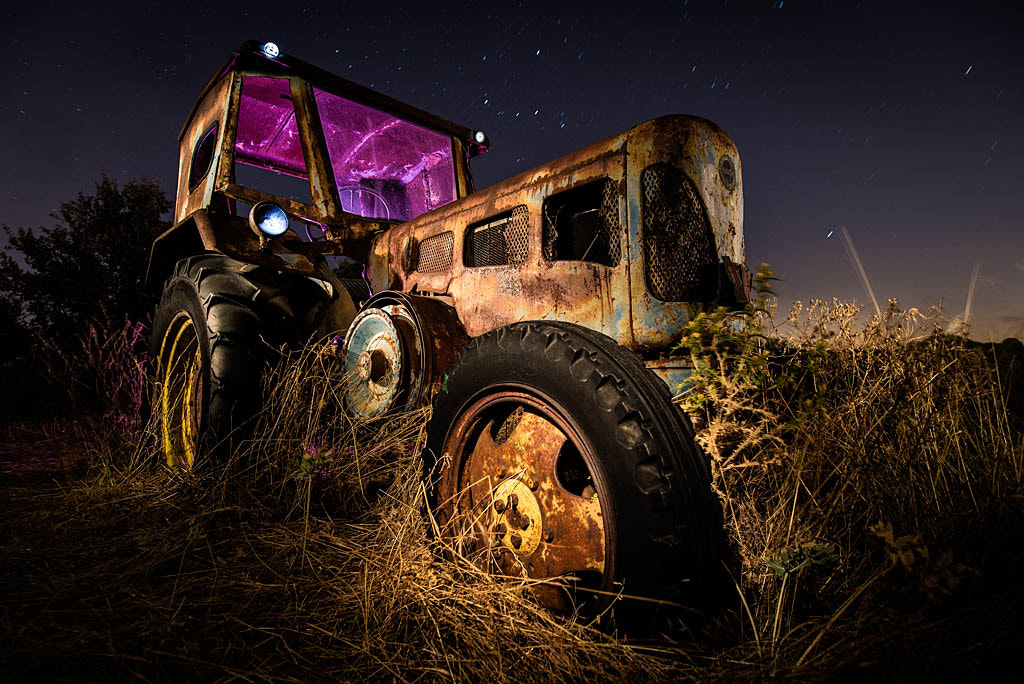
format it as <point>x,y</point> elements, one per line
<point>674,371</point>
<point>697,147</point>
<point>489,297</point>
<point>323,189</point>
<point>209,110</point>
<point>614,300</point>
<point>226,164</point>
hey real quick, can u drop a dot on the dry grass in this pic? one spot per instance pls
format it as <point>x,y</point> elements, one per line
<point>871,481</point>
<point>868,474</point>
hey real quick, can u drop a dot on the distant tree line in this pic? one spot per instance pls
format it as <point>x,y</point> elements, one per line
<point>85,270</point>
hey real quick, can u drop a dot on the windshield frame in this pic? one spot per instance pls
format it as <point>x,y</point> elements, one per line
<point>326,208</point>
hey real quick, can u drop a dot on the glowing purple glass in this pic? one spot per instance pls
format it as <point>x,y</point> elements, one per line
<point>267,134</point>
<point>385,167</point>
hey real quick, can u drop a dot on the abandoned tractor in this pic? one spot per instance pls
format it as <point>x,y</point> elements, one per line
<point>535,316</point>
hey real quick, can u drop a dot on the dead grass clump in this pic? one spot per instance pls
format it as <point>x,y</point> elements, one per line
<point>859,467</point>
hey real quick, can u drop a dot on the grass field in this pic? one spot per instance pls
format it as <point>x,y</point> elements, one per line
<point>870,479</point>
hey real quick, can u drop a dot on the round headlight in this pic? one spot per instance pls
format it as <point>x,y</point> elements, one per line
<point>480,137</point>
<point>267,218</point>
<point>270,50</point>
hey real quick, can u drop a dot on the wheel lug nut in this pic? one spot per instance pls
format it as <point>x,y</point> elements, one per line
<point>549,536</point>
<point>531,483</point>
<point>514,500</point>
<point>524,522</point>
<point>516,540</point>
<point>499,506</point>
<point>501,472</point>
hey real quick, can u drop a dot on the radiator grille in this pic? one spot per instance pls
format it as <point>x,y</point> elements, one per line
<point>435,253</point>
<point>679,246</point>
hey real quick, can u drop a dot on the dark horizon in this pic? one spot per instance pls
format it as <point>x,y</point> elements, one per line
<point>893,121</point>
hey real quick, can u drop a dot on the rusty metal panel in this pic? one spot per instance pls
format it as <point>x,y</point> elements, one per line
<point>674,371</point>
<point>323,188</point>
<point>212,109</point>
<point>708,158</point>
<point>534,287</point>
<point>614,300</point>
<point>226,166</point>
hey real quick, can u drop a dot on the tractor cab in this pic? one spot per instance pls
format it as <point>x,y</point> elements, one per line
<point>315,155</point>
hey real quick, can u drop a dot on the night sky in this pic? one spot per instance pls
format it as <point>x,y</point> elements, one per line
<point>902,123</point>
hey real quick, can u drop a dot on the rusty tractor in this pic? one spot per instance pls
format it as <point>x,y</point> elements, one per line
<point>534,316</point>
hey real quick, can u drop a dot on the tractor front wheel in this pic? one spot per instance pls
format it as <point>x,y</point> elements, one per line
<point>561,458</point>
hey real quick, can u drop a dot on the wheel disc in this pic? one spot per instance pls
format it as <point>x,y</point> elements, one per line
<point>375,366</point>
<point>529,495</point>
<point>180,392</point>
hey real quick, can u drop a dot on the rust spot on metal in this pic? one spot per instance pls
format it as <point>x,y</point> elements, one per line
<point>554,532</point>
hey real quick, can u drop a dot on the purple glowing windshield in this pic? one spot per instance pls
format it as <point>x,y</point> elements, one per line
<point>385,167</point>
<point>267,135</point>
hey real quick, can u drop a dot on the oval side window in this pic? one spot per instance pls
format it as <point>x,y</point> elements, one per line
<point>202,157</point>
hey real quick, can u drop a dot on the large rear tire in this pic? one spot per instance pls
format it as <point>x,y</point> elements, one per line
<point>561,457</point>
<point>207,356</point>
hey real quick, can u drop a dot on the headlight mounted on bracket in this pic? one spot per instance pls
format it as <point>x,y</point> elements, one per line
<point>268,220</point>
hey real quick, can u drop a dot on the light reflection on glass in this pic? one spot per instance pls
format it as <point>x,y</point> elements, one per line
<point>385,167</point>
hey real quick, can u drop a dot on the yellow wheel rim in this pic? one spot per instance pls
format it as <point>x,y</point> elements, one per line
<point>180,392</point>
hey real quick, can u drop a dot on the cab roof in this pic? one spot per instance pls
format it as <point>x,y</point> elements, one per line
<point>250,58</point>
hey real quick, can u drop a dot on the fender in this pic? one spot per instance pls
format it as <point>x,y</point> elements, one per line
<point>201,232</point>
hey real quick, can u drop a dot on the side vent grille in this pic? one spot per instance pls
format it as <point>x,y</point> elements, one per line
<point>500,241</point>
<point>435,253</point>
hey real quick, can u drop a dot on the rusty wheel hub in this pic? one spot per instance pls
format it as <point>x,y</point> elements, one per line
<point>374,361</point>
<point>526,480</point>
<point>516,518</point>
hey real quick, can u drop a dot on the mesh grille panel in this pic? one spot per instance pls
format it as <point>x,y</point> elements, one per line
<point>610,222</point>
<point>436,253</point>
<point>500,241</point>
<point>583,224</point>
<point>485,245</point>
<point>516,233</point>
<point>679,247</point>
